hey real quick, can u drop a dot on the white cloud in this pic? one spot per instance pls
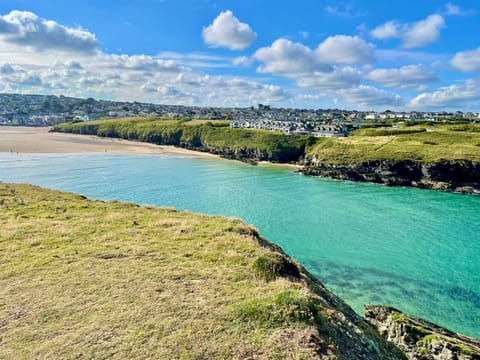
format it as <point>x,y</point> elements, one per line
<point>455,10</point>
<point>294,59</point>
<point>227,31</point>
<point>453,95</point>
<point>390,29</point>
<point>6,69</point>
<point>406,77</point>
<point>285,57</point>
<point>242,61</point>
<point>347,11</point>
<point>343,49</point>
<point>368,97</point>
<point>340,78</point>
<point>467,60</point>
<point>424,32</point>
<point>27,29</point>
<point>413,35</point>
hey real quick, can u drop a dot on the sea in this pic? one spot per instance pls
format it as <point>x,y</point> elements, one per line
<point>416,250</point>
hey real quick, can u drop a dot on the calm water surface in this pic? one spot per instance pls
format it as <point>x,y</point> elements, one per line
<point>416,250</point>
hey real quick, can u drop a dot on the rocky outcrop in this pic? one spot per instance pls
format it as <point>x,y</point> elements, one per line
<point>461,176</point>
<point>247,155</point>
<point>419,339</point>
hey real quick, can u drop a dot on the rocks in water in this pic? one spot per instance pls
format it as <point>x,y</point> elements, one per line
<point>454,175</point>
<point>419,339</point>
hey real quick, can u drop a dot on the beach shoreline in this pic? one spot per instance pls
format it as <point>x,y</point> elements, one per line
<point>38,140</point>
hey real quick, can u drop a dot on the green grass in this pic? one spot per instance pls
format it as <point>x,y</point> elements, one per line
<point>424,144</point>
<point>203,135</point>
<point>89,279</point>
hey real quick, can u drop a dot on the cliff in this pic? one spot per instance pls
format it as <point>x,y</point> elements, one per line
<point>90,279</point>
<point>461,176</point>
<point>443,158</point>
<point>419,339</point>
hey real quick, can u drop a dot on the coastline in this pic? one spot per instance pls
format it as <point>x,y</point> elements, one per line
<point>38,140</point>
<point>457,176</point>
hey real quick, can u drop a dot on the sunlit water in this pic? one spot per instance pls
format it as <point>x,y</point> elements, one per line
<point>416,250</point>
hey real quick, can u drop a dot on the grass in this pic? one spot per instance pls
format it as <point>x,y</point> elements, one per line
<point>83,278</point>
<point>214,136</point>
<point>424,144</point>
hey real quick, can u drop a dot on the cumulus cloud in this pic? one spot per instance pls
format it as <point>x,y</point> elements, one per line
<point>27,29</point>
<point>285,57</point>
<point>424,32</point>
<point>370,97</point>
<point>343,49</point>
<point>227,31</point>
<point>413,35</point>
<point>467,60</point>
<point>390,29</point>
<point>406,77</point>
<point>466,91</point>
<point>294,59</point>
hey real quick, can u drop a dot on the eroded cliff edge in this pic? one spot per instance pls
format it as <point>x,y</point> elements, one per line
<point>94,279</point>
<point>419,339</point>
<point>461,176</point>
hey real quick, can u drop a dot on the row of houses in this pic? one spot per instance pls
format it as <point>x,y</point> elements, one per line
<point>294,127</point>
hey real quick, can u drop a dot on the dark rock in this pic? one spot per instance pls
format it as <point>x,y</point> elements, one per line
<point>419,339</point>
<point>455,175</point>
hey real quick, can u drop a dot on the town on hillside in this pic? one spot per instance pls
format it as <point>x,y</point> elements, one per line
<point>47,110</point>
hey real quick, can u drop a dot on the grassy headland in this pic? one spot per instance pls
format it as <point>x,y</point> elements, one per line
<point>83,278</point>
<point>423,143</point>
<point>213,136</point>
<point>418,143</point>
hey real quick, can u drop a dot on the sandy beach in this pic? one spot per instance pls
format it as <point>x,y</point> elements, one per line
<point>39,140</point>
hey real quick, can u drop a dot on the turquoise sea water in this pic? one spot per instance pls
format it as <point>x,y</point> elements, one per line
<point>417,250</point>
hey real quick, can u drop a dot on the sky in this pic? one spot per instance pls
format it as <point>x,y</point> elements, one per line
<point>366,55</point>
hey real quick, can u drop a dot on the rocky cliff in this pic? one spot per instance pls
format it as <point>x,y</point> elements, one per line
<point>454,175</point>
<point>419,339</point>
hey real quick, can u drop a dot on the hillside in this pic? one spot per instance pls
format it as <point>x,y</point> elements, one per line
<point>440,157</point>
<point>214,137</point>
<point>424,143</point>
<point>83,278</point>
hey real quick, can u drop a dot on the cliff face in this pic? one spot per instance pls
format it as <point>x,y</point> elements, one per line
<point>454,175</point>
<point>419,339</point>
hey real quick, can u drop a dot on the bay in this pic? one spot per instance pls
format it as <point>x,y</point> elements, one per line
<point>417,250</point>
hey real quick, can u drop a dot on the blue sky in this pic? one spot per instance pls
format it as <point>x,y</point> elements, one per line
<point>366,55</point>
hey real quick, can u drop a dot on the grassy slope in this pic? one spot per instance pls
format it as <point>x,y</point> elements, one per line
<point>432,144</point>
<point>194,134</point>
<point>421,143</point>
<point>82,278</point>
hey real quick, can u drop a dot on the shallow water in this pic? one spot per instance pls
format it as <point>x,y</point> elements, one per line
<point>417,250</point>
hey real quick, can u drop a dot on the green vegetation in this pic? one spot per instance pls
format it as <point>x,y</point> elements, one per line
<point>272,266</point>
<point>212,136</point>
<point>89,279</point>
<point>425,144</point>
